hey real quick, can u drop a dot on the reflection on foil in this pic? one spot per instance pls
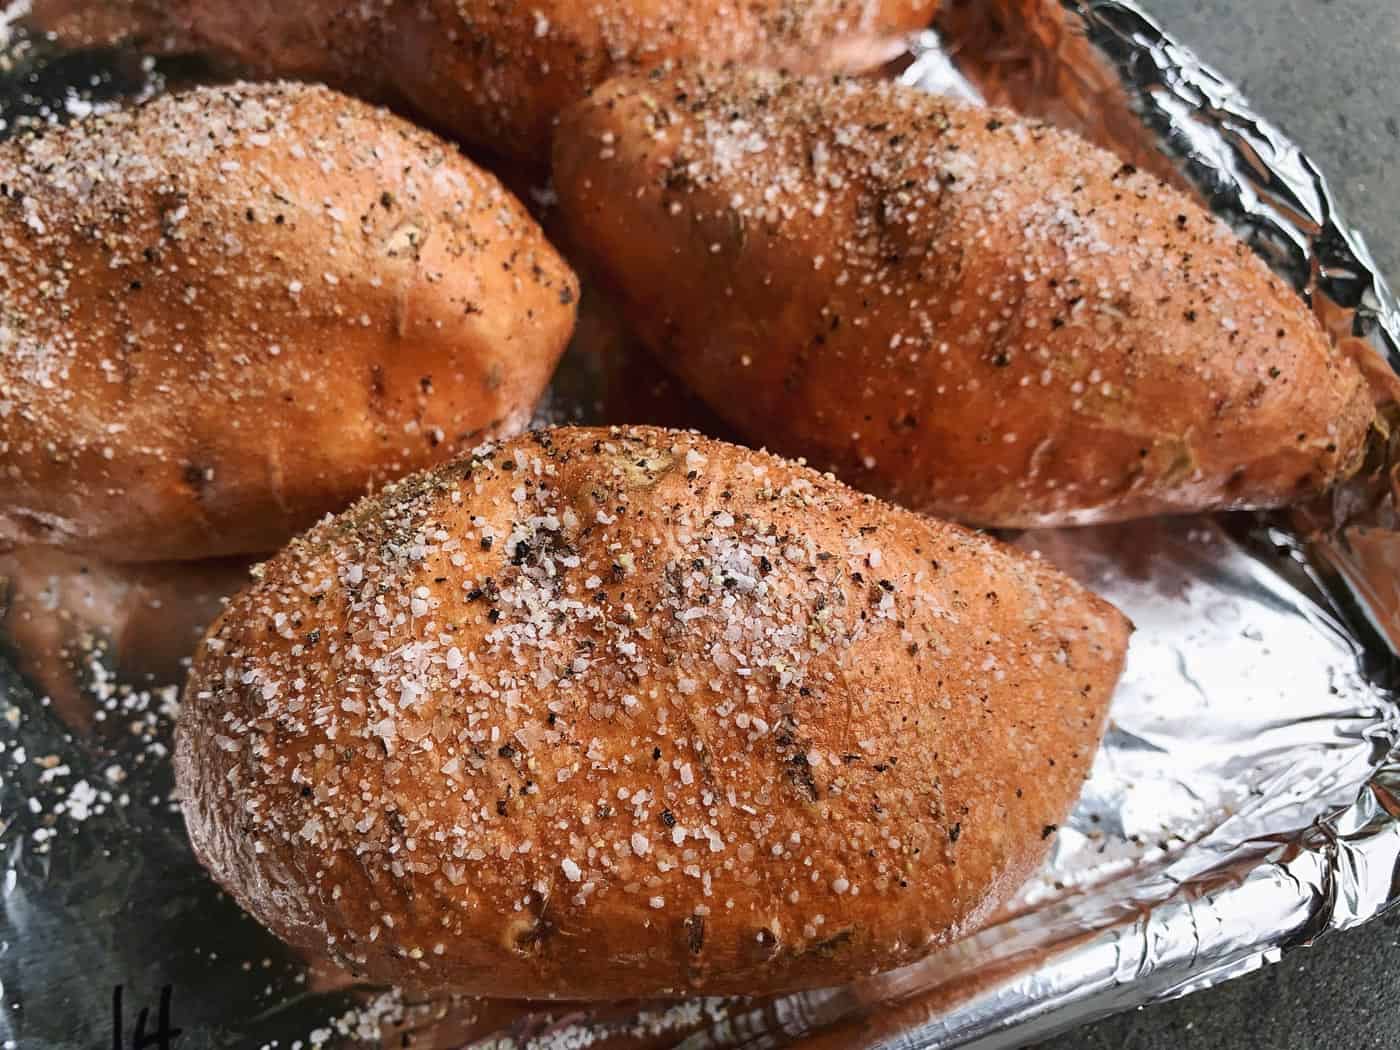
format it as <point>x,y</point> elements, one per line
<point>1246,800</point>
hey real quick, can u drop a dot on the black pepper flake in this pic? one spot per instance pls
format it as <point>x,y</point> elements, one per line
<point>799,773</point>
<point>506,751</point>
<point>955,832</point>
<point>656,754</point>
<point>501,807</point>
<point>494,615</point>
<point>695,933</point>
<point>1049,830</point>
<point>668,818</point>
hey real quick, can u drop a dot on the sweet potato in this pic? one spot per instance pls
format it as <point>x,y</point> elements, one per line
<point>601,713</point>
<point>492,72</point>
<point>957,309</point>
<point>228,312</point>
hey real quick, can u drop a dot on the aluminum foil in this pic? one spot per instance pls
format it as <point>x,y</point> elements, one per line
<point>1245,802</point>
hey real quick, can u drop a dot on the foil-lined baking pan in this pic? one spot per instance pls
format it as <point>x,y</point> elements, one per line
<point>1245,802</point>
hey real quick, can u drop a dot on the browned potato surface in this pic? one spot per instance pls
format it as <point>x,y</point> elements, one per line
<point>496,72</point>
<point>229,312</point>
<point>601,713</point>
<point>957,309</point>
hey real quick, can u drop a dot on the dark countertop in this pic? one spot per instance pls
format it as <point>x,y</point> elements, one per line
<point>1325,71</point>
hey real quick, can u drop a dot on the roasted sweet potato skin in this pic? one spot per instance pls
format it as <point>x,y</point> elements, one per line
<point>495,73</point>
<point>632,712</point>
<point>963,311</point>
<point>231,311</point>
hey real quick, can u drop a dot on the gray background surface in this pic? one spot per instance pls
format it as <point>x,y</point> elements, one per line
<point>1328,72</point>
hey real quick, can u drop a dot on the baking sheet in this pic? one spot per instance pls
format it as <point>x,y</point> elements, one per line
<point>1247,798</point>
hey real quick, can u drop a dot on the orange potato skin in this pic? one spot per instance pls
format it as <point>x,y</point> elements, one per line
<point>959,310</point>
<point>681,718</point>
<point>229,312</point>
<point>496,73</point>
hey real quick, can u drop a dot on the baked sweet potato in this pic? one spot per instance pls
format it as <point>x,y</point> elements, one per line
<point>495,73</point>
<point>228,312</point>
<point>602,713</point>
<point>960,310</point>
